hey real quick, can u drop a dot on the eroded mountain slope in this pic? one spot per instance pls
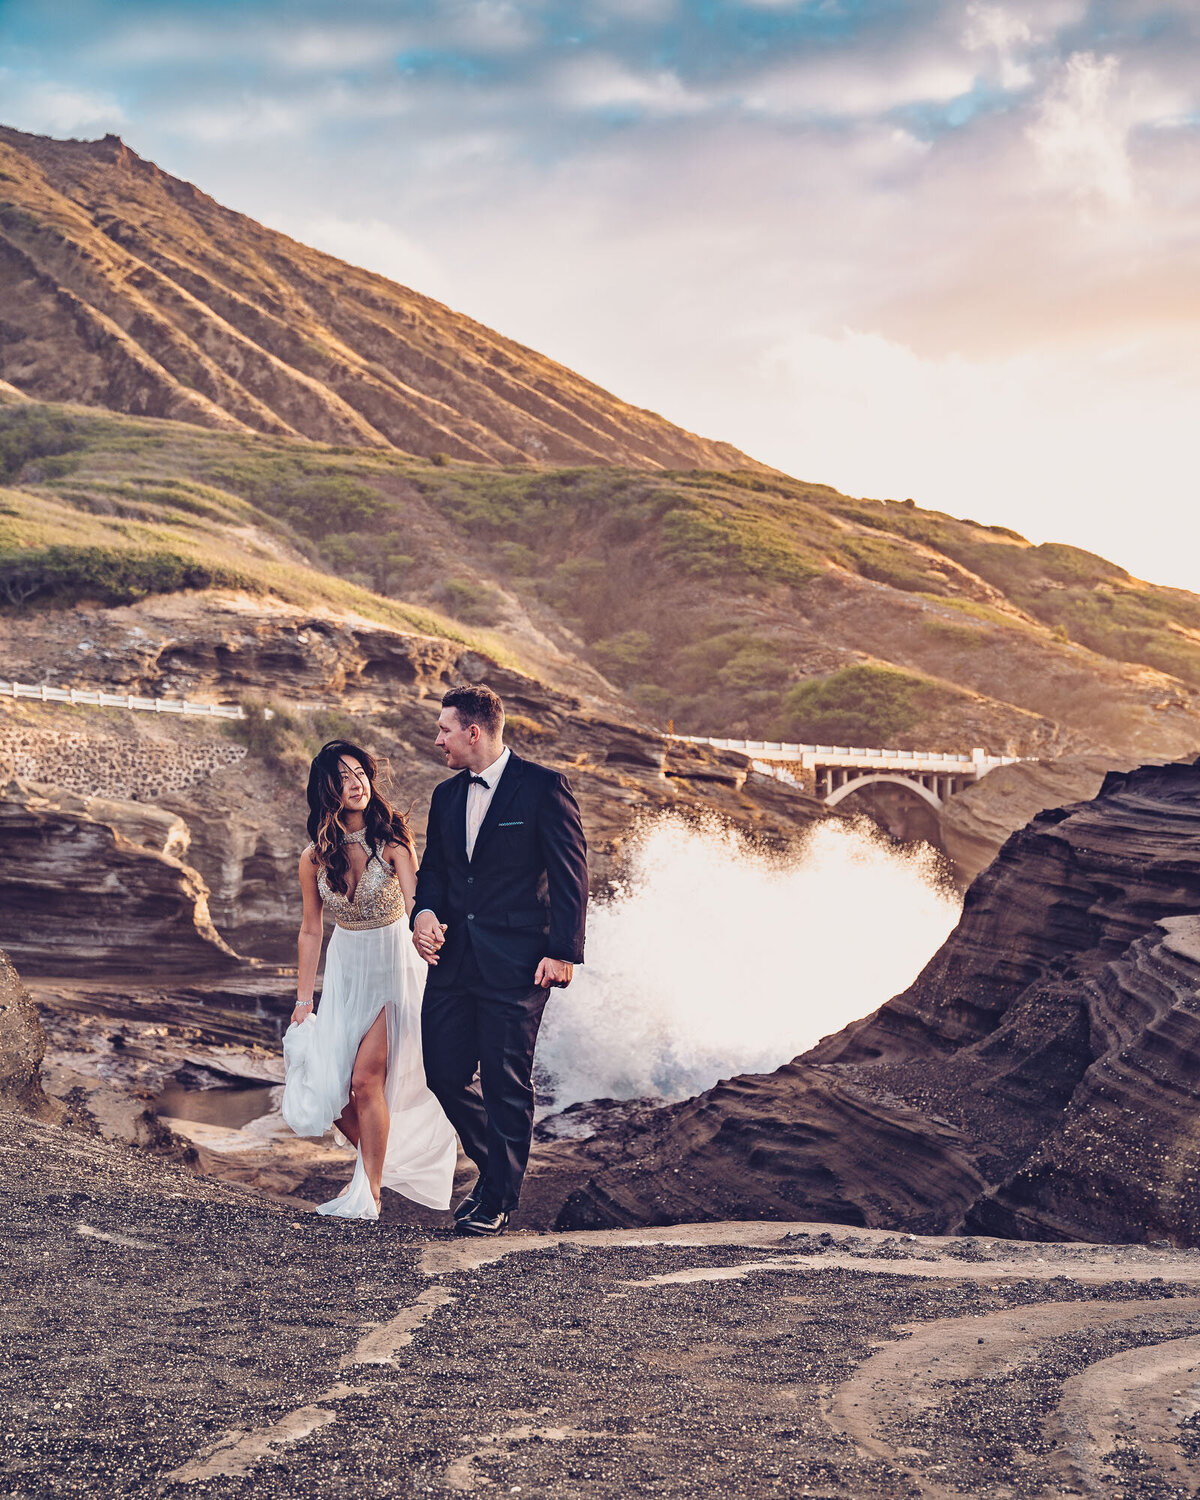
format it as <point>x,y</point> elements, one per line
<point>127,288</point>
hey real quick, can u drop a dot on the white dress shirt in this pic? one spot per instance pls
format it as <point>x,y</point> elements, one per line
<point>479,798</point>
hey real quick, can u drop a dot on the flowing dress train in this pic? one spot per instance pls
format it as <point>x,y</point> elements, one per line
<point>370,967</point>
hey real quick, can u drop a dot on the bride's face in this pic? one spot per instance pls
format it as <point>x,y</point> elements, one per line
<point>356,784</point>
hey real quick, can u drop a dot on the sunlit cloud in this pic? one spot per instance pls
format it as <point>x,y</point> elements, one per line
<point>939,248</point>
<point>851,87</point>
<point>1007,35</point>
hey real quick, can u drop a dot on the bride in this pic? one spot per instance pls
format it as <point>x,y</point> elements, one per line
<point>356,1061</point>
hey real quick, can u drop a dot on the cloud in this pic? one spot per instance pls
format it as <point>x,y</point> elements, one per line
<point>943,249</point>
<point>992,28</point>
<point>599,82</point>
<point>47,107</point>
<point>1080,133</point>
<point>375,244</point>
<point>852,87</point>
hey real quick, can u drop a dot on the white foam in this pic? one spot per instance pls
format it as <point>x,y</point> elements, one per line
<point>715,958</point>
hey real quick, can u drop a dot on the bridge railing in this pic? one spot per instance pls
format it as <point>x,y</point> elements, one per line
<point>974,760</point>
<point>97,698</point>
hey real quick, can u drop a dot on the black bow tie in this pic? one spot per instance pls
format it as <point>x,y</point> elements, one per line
<point>478,781</point>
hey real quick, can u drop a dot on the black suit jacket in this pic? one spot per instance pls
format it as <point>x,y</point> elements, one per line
<point>523,894</point>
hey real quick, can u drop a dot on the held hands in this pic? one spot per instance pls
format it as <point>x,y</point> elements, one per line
<point>302,1011</point>
<point>428,936</point>
<point>553,973</point>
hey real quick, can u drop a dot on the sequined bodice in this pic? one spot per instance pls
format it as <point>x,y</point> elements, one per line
<point>378,900</point>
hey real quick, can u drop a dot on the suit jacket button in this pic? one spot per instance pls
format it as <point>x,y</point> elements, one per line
<point>470,880</point>
<point>470,916</point>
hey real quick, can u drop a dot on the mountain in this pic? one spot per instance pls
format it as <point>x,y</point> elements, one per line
<point>734,603</point>
<point>301,429</point>
<point>124,287</point>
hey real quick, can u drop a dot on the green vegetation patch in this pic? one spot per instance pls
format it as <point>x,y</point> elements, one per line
<point>890,562</point>
<point>859,705</point>
<point>29,433</point>
<point>109,575</point>
<point>315,497</point>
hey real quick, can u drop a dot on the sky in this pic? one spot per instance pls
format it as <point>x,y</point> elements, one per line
<point>910,248</point>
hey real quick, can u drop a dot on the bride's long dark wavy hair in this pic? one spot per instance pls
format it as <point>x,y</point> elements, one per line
<point>382,823</point>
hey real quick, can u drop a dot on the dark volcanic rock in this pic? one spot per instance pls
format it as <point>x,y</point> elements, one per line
<point>1124,1162</point>
<point>173,1337</point>
<point>1037,1080</point>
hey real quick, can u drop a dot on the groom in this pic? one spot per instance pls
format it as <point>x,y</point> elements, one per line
<point>499,916</point>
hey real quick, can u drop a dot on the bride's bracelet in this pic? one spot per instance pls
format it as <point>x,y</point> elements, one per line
<point>301,1003</point>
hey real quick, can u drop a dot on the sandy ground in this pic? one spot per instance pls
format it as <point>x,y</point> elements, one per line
<point>167,1335</point>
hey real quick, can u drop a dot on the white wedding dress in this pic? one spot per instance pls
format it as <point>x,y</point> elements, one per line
<point>370,966</point>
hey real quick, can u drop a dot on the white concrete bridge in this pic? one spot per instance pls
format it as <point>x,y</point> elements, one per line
<point>833,772</point>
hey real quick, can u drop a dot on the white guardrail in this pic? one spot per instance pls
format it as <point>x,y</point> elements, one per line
<point>98,699</point>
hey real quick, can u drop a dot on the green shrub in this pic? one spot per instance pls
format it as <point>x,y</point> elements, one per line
<point>948,633</point>
<point>328,724</point>
<point>652,698</point>
<point>622,658</point>
<point>28,433</point>
<point>858,705</point>
<point>64,574</point>
<point>316,497</point>
<point>890,562</point>
<point>275,736</point>
<point>526,731</point>
<point>472,603</point>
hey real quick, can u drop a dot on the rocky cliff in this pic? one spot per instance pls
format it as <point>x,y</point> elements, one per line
<point>230,801</point>
<point>127,288</point>
<point>1038,1079</point>
<point>81,895</point>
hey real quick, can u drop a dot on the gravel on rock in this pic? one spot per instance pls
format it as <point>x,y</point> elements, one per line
<point>166,1335</point>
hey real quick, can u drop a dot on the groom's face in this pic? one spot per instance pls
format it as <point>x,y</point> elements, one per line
<point>457,739</point>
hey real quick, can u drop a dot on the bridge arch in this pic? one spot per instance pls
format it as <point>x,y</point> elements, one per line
<point>897,779</point>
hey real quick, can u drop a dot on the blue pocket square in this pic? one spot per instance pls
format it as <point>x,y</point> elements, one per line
<point>520,823</point>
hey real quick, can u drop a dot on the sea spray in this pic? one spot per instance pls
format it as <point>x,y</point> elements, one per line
<point>714,957</point>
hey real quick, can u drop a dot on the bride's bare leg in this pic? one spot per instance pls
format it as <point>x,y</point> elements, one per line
<point>370,1073</point>
<point>347,1121</point>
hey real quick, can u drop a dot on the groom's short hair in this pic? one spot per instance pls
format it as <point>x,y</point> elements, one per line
<point>475,703</point>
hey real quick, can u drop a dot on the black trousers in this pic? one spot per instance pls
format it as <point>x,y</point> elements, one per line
<point>471,1027</point>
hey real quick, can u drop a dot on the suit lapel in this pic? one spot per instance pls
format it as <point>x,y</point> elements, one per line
<point>501,801</point>
<point>456,818</point>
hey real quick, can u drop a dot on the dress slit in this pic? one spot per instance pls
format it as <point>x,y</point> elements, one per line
<point>368,972</point>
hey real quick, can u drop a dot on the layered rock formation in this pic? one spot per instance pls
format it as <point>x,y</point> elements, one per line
<point>127,288</point>
<point>974,825</point>
<point>242,820</point>
<point>1038,1079</point>
<point>79,896</point>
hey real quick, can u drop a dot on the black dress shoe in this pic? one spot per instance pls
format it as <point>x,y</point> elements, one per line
<point>483,1221</point>
<point>470,1203</point>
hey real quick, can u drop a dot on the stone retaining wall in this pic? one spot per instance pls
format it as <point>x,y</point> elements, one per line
<point>109,765</point>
